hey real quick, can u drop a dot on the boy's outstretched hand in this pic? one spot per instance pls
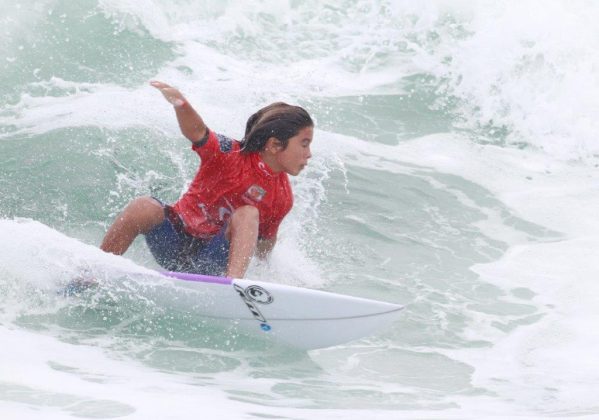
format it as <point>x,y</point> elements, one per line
<point>170,93</point>
<point>191,124</point>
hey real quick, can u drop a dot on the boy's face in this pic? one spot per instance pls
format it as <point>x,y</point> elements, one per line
<point>295,156</point>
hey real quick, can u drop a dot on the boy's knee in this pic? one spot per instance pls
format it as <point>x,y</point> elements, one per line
<point>145,205</point>
<point>143,213</point>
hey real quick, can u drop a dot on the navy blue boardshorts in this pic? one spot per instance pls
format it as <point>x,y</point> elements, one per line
<point>176,250</point>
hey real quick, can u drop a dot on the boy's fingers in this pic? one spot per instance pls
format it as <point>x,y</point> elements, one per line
<point>170,93</point>
<point>159,85</point>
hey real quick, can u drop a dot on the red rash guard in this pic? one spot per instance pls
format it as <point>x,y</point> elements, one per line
<point>228,179</point>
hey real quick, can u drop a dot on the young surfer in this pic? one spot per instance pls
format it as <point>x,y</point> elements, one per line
<point>238,198</point>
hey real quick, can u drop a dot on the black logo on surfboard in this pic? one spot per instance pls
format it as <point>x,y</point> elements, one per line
<point>258,294</point>
<point>250,303</point>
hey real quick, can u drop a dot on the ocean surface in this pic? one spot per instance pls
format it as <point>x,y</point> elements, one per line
<point>454,170</point>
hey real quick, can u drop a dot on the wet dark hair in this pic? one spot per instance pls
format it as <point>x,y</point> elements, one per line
<point>279,120</point>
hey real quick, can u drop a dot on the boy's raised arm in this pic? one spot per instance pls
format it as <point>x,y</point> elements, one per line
<point>191,124</point>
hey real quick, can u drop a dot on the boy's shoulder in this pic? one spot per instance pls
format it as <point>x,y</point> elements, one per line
<point>216,144</point>
<point>225,144</point>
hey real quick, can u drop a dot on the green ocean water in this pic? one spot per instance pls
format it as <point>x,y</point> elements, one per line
<point>82,134</point>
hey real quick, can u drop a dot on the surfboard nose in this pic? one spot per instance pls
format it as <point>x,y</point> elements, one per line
<point>320,333</point>
<point>310,319</point>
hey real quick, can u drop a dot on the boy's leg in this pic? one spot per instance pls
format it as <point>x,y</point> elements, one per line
<point>140,216</point>
<point>242,234</point>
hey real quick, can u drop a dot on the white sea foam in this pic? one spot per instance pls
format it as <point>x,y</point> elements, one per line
<point>531,68</point>
<point>554,358</point>
<point>509,66</point>
<point>93,384</point>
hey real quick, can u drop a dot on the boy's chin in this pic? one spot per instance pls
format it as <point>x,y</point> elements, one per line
<point>296,172</point>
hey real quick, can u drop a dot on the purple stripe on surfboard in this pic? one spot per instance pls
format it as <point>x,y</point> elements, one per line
<point>198,277</point>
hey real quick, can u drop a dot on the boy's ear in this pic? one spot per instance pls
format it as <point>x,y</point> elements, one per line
<point>272,145</point>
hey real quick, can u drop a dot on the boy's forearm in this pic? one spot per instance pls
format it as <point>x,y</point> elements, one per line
<point>191,124</point>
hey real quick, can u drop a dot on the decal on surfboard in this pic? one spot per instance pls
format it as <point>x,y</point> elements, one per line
<point>249,301</point>
<point>258,294</point>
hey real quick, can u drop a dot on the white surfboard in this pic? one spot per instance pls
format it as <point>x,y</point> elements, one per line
<point>298,317</point>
